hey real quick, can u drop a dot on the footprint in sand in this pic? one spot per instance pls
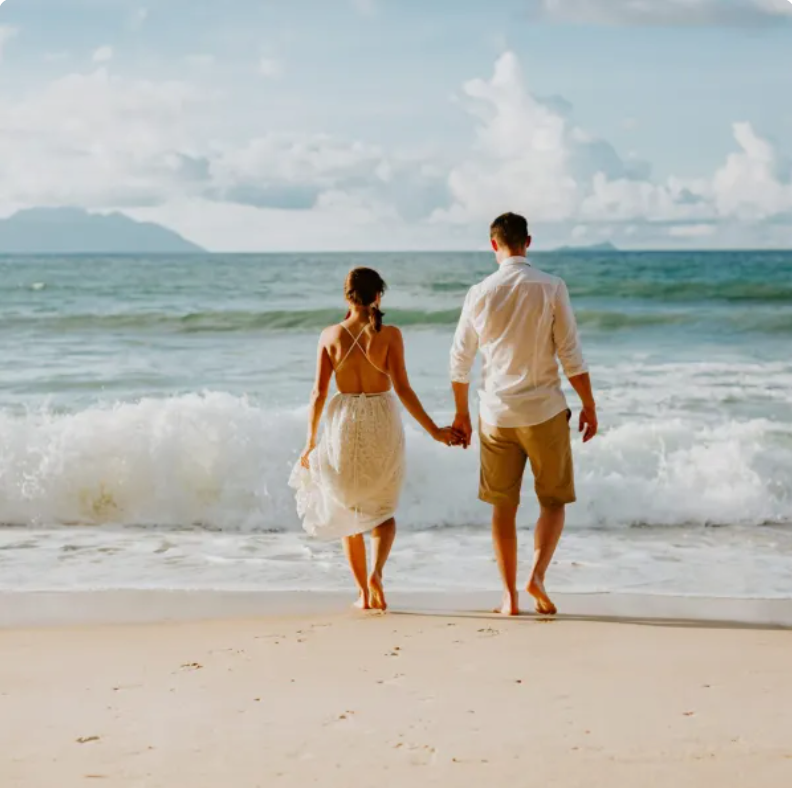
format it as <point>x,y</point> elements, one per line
<point>419,754</point>
<point>190,666</point>
<point>341,719</point>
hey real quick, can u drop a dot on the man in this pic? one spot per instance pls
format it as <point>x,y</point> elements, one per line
<point>522,321</point>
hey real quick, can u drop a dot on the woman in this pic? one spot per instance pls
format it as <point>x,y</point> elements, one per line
<point>350,483</point>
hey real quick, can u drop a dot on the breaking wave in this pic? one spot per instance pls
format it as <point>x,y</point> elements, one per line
<point>221,462</point>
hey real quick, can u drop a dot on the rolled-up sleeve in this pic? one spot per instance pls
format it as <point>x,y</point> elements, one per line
<point>565,335</point>
<point>466,344</point>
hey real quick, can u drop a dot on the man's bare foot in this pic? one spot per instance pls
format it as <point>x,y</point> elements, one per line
<point>363,602</point>
<point>377,592</point>
<point>510,606</point>
<point>544,605</point>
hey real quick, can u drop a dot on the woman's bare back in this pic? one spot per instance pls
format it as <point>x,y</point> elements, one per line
<point>359,356</point>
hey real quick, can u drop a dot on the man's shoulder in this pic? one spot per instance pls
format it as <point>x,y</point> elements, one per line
<point>534,274</point>
<point>486,285</point>
<point>529,275</point>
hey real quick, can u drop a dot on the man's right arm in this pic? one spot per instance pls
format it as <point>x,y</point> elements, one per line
<point>463,356</point>
<point>462,422</point>
<point>570,354</point>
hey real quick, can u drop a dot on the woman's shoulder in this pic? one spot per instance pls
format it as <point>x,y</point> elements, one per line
<point>331,333</point>
<point>391,333</point>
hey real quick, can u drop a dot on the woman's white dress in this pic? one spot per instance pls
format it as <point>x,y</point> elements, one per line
<point>357,470</point>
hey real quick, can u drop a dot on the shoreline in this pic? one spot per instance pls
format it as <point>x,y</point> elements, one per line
<point>44,610</point>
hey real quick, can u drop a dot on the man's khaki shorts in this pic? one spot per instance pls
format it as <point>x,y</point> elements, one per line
<point>504,451</point>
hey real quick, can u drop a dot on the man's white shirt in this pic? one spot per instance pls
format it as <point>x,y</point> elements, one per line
<point>522,321</point>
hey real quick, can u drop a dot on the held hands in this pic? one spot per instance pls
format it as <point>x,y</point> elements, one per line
<point>448,435</point>
<point>458,434</point>
<point>588,422</point>
<point>463,426</point>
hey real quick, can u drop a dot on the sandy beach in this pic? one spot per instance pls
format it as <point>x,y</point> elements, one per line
<point>423,698</point>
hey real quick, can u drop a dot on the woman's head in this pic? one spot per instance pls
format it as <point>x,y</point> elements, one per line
<point>364,287</point>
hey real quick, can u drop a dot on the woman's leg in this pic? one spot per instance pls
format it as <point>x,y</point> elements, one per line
<point>355,549</point>
<point>382,538</point>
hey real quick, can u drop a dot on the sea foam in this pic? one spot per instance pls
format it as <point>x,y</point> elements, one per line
<point>221,462</point>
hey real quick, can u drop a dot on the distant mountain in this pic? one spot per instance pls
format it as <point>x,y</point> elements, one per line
<point>75,231</point>
<point>603,247</point>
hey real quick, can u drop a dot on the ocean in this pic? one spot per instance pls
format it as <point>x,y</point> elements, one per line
<point>152,407</point>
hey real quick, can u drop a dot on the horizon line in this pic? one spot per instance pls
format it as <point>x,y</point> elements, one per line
<point>558,250</point>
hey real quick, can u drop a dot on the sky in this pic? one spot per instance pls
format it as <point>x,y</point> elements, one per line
<point>341,125</point>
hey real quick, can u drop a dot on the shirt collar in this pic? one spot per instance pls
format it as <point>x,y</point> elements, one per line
<point>515,261</point>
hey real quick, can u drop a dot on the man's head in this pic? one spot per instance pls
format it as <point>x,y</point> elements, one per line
<point>509,236</point>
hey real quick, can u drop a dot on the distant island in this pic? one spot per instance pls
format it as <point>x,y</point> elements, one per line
<point>76,231</point>
<point>603,247</point>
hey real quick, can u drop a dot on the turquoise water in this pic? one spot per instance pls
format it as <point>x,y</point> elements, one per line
<point>151,409</point>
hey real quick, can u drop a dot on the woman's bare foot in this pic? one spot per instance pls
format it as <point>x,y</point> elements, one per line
<point>510,606</point>
<point>363,602</point>
<point>544,605</point>
<point>377,592</point>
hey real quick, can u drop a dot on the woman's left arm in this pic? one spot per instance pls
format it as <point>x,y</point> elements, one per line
<point>324,374</point>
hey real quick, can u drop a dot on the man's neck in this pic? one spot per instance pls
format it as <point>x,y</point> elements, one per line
<point>505,256</point>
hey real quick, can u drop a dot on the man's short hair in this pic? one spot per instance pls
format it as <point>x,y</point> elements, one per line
<point>511,231</point>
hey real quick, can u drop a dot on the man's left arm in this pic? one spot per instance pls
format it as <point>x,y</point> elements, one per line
<point>463,356</point>
<point>570,354</point>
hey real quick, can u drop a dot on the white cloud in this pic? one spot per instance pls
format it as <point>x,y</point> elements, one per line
<point>99,140</point>
<point>56,57</point>
<point>280,170</point>
<point>529,156</point>
<point>270,68</point>
<point>521,154</point>
<point>752,185</point>
<point>7,33</point>
<point>164,151</point>
<point>340,222</point>
<point>692,230</point>
<point>306,172</point>
<point>665,12</point>
<point>103,55</point>
<point>103,141</point>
